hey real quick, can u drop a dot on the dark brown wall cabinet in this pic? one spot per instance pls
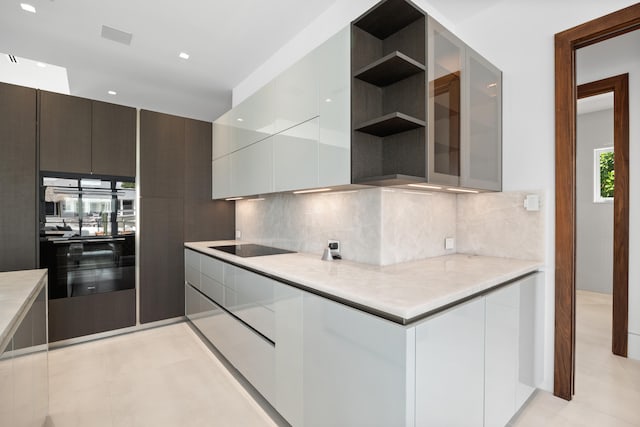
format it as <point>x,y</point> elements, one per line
<point>79,135</point>
<point>18,171</point>
<point>425,107</point>
<point>175,206</point>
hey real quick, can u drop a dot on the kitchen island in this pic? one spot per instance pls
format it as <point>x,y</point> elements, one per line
<point>24,378</point>
<point>452,340</point>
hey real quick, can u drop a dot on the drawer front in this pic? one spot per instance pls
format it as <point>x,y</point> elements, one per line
<point>192,267</point>
<point>256,315</point>
<point>212,268</point>
<point>248,352</point>
<point>213,289</point>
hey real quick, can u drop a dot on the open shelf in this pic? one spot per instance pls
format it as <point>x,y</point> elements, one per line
<point>390,124</point>
<point>389,69</point>
<point>388,18</point>
<point>388,180</point>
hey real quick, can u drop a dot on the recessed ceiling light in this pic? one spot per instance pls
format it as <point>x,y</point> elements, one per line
<point>27,7</point>
<point>112,92</point>
<point>184,55</point>
<point>41,64</point>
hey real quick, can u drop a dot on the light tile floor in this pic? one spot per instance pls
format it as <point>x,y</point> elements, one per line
<point>168,377</point>
<point>607,386</point>
<point>158,377</point>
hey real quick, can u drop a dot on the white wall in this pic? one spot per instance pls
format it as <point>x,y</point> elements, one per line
<point>594,221</point>
<point>518,37</point>
<point>523,48</point>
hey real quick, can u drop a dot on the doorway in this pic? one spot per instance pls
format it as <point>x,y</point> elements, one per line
<point>566,43</point>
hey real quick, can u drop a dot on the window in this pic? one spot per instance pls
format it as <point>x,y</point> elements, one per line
<point>604,175</point>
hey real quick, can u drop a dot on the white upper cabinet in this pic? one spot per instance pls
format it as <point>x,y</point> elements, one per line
<point>299,124</point>
<point>334,150</point>
<point>252,169</point>
<point>296,98</point>
<point>295,157</point>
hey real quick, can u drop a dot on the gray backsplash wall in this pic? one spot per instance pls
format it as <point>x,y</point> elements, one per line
<point>388,226</point>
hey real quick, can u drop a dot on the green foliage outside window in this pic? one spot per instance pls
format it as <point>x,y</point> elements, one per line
<point>607,174</point>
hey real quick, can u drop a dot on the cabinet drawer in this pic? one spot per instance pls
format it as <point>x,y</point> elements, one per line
<point>212,268</point>
<point>249,353</point>
<point>213,289</point>
<point>192,267</point>
<point>256,315</point>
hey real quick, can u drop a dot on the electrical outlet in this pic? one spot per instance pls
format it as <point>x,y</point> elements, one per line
<point>334,247</point>
<point>449,243</point>
<point>238,234</point>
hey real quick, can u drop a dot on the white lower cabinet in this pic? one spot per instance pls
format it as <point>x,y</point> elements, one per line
<point>355,367</point>
<point>251,354</point>
<point>450,367</point>
<point>322,363</point>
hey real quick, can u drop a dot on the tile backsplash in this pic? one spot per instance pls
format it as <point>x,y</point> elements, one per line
<point>383,226</point>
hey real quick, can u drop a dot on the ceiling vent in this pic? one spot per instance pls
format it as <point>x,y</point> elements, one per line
<point>117,36</point>
<point>12,59</point>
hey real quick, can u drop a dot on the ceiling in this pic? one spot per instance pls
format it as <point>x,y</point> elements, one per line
<point>226,41</point>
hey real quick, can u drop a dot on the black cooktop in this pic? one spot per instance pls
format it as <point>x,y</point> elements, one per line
<point>250,250</point>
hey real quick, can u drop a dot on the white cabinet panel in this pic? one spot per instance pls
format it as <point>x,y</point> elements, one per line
<point>501,355</point>
<point>192,267</point>
<point>213,268</point>
<point>253,119</point>
<point>222,132</point>
<point>530,347</point>
<point>334,87</point>
<point>221,183</point>
<point>450,367</point>
<point>354,367</point>
<point>289,354</point>
<point>212,289</point>
<point>295,157</point>
<point>252,169</point>
<point>296,94</point>
<point>249,353</point>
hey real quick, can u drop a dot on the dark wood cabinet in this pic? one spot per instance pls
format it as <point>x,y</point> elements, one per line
<point>113,139</point>
<point>175,206</point>
<point>18,171</point>
<point>65,133</point>
<point>91,314</point>
<point>161,259</point>
<point>78,135</point>
<point>204,219</point>
<point>161,155</point>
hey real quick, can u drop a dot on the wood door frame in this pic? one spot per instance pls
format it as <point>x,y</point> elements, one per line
<point>566,44</point>
<point>619,85</point>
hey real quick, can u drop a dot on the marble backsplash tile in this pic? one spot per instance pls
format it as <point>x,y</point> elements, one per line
<point>415,224</point>
<point>304,222</point>
<point>497,224</point>
<point>388,226</point>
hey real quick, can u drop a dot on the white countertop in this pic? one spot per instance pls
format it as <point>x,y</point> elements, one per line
<point>18,290</point>
<point>403,291</point>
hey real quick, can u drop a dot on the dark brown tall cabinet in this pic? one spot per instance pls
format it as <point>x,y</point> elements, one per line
<point>175,205</point>
<point>18,172</point>
<point>83,136</point>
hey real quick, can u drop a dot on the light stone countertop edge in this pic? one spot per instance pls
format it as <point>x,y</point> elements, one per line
<point>18,291</point>
<point>406,291</point>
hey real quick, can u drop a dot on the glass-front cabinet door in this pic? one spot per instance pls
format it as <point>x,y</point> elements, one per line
<point>445,71</point>
<point>482,133</point>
